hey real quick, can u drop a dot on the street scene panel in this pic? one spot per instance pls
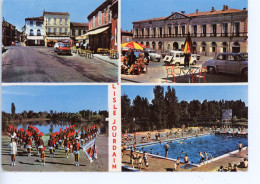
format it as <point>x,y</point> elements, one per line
<point>184,128</point>
<point>47,42</point>
<point>48,128</point>
<point>195,42</point>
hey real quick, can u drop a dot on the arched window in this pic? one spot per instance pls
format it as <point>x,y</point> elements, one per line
<point>31,32</point>
<point>236,47</point>
<point>175,46</point>
<point>160,45</point>
<point>224,45</point>
<point>213,46</point>
<point>38,32</point>
<point>194,45</point>
<point>203,46</point>
<point>153,45</point>
<point>147,44</point>
<point>142,43</point>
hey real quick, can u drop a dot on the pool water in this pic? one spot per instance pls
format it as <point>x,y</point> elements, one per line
<point>213,145</point>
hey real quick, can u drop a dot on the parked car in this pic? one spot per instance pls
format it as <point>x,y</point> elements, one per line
<point>13,44</point>
<point>56,46</point>
<point>197,56</point>
<point>50,44</point>
<point>153,55</point>
<point>233,63</point>
<point>244,54</point>
<point>64,48</point>
<point>177,58</point>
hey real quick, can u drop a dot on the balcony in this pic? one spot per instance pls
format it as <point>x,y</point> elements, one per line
<point>57,34</point>
<point>243,34</point>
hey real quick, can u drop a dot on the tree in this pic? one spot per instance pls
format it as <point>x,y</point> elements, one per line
<point>126,111</point>
<point>172,107</point>
<point>159,108</point>
<point>13,109</point>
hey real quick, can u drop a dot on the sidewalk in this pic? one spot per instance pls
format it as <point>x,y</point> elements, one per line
<point>107,59</point>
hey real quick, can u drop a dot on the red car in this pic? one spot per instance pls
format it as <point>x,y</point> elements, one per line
<point>13,44</point>
<point>64,48</point>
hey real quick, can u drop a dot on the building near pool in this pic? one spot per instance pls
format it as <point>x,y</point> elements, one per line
<point>34,31</point>
<point>103,26</point>
<point>212,32</point>
<point>56,26</point>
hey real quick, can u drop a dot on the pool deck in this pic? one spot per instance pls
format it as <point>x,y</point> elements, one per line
<point>160,164</point>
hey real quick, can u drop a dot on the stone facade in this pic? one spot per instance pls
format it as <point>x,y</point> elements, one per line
<point>77,29</point>
<point>57,26</point>
<point>212,31</point>
<point>104,18</point>
<point>126,36</point>
<point>8,33</point>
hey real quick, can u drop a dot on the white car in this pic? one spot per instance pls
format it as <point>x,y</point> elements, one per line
<point>233,63</point>
<point>56,46</point>
<point>153,55</point>
<point>177,58</point>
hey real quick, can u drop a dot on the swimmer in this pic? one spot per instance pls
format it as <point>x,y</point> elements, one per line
<point>191,142</point>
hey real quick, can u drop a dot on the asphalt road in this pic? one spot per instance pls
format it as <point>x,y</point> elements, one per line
<point>42,64</point>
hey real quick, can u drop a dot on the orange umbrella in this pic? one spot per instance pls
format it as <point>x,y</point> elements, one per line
<point>132,45</point>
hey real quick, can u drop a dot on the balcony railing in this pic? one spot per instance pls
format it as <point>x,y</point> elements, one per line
<point>57,34</point>
<point>241,34</point>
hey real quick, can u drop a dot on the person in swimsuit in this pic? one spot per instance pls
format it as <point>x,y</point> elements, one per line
<point>186,159</point>
<point>201,158</point>
<point>166,149</point>
<point>177,164</point>
<point>146,164</point>
<point>240,146</point>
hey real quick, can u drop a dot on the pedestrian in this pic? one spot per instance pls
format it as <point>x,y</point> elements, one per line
<point>13,150</point>
<point>76,151</point>
<point>43,156</point>
<point>146,164</point>
<point>29,146</point>
<point>187,58</point>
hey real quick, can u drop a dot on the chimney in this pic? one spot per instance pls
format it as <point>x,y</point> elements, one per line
<point>244,8</point>
<point>224,7</point>
<point>197,10</point>
<point>212,9</point>
<point>183,12</point>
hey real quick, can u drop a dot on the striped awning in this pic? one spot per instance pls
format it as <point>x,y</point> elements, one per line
<point>58,38</point>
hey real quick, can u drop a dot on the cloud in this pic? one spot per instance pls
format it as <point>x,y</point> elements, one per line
<point>17,93</point>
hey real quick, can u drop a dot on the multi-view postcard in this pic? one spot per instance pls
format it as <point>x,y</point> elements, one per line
<point>59,41</point>
<point>184,41</point>
<point>69,105</point>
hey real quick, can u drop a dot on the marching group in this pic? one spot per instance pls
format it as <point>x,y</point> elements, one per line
<point>69,139</point>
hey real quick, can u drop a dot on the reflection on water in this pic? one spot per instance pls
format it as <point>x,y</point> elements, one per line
<point>50,126</point>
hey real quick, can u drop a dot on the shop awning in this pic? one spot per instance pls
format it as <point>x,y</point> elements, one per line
<point>82,37</point>
<point>34,37</point>
<point>58,38</point>
<point>97,31</point>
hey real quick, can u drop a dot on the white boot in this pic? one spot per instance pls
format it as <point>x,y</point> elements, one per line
<point>14,163</point>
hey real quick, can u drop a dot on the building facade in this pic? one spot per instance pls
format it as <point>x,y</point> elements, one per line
<point>126,36</point>
<point>77,29</point>
<point>212,31</point>
<point>103,26</point>
<point>56,26</point>
<point>8,33</point>
<point>34,31</point>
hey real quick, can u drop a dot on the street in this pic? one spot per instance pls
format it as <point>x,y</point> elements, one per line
<point>42,64</point>
<point>157,73</point>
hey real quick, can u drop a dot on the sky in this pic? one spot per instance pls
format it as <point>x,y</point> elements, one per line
<point>57,98</point>
<point>189,93</point>
<point>135,10</point>
<point>15,11</point>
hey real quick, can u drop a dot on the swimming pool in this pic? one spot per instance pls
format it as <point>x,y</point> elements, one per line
<point>213,145</point>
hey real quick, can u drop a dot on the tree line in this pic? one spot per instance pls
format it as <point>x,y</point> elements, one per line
<point>165,111</point>
<point>83,115</point>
